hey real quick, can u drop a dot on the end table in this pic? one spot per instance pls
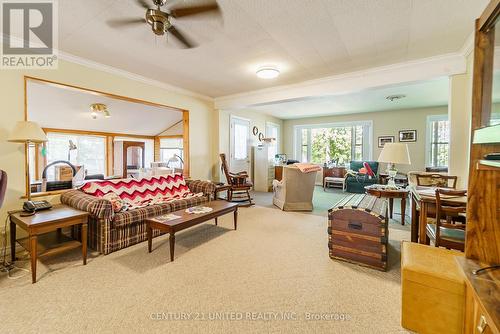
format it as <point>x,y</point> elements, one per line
<point>38,226</point>
<point>391,194</point>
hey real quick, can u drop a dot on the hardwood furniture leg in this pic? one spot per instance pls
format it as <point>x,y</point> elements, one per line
<point>391,205</point>
<point>423,223</point>
<point>84,243</point>
<point>235,219</point>
<point>414,220</point>
<point>172,245</point>
<point>12,241</point>
<point>216,221</point>
<point>403,210</point>
<point>149,232</point>
<point>33,241</point>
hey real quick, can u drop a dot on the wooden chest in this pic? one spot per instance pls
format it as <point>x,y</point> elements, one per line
<point>358,232</point>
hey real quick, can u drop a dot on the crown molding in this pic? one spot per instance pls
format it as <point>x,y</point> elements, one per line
<point>129,75</point>
<point>410,71</point>
<point>116,71</point>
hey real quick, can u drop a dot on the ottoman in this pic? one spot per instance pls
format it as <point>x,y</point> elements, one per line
<point>433,289</point>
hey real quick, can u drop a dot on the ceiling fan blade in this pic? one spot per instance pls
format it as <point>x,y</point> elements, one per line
<point>118,23</point>
<point>143,4</point>
<point>182,38</point>
<point>195,10</point>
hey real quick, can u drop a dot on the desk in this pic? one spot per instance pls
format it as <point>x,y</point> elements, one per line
<point>423,203</point>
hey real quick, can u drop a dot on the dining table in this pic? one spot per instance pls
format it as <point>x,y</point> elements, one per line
<point>423,205</point>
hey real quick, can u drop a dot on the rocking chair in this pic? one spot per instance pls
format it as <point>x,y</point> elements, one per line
<point>239,183</point>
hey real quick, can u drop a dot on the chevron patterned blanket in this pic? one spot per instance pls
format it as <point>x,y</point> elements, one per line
<point>138,193</point>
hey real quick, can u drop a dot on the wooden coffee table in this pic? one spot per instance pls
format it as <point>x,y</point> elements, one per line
<point>188,220</point>
<point>391,194</point>
<point>41,243</point>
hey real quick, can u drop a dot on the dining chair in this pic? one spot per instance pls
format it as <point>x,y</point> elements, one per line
<point>437,180</point>
<point>448,228</point>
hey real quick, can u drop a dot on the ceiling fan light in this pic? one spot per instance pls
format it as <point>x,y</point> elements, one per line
<point>267,72</point>
<point>93,114</point>
<point>107,114</point>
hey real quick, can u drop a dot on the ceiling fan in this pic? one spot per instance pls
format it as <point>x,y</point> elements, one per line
<point>160,21</point>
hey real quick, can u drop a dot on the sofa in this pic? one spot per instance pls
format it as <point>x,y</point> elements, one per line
<point>295,190</point>
<point>109,231</point>
<point>357,183</point>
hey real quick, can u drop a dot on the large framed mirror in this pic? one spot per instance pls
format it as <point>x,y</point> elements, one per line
<point>97,135</point>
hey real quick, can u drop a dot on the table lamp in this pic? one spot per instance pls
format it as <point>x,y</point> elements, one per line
<point>26,132</point>
<point>392,154</point>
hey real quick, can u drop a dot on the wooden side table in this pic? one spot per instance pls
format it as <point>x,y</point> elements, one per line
<point>391,194</point>
<point>38,227</point>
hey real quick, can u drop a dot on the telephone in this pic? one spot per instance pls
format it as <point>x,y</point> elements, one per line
<point>33,206</point>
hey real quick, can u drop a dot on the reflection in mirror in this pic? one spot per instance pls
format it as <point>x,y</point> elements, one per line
<point>99,136</point>
<point>495,106</point>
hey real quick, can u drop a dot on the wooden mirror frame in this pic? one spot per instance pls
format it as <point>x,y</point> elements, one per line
<point>184,136</point>
<point>482,232</point>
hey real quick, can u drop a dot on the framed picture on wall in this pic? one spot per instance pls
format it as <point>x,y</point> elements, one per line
<point>407,135</point>
<point>382,140</point>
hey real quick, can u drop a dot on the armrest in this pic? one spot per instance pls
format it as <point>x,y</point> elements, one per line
<point>98,207</point>
<point>199,186</point>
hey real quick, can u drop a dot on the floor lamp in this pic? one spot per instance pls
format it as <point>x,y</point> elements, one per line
<point>26,132</point>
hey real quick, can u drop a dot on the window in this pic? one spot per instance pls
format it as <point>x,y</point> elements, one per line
<point>169,147</point>
<point>340,142</point>
<point>438,137</point>
<point>273,131</point>
<point>90,152</point>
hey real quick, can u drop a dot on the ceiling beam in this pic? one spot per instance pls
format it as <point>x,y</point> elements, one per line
<point>395,74</point>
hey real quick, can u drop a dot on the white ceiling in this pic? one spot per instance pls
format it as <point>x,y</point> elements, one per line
<point>418,95</point>
<point>307,39</point>
<point>65,108</point>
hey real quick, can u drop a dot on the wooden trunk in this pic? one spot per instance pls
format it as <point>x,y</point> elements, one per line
<point>357,231</point>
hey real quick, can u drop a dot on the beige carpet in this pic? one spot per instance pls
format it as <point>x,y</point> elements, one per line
<point>274,266</point>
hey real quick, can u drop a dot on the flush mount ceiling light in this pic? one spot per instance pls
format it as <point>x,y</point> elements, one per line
<point>267,72</point>
<point>393,98</point>
<point>97,108</point>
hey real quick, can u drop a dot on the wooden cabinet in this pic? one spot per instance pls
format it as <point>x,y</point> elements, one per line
<point>482,298</point>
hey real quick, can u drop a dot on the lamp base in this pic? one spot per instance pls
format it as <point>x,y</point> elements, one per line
<point>392,175</point>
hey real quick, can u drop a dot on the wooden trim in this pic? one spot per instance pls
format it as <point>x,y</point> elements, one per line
<point>109,153</point>
<point>97,133</point>
<point>115,96</point>
<point>171,136</point>
<point>489,16</point>
<point>170,127</point>
<point>156,149</point>
<point>185,134</point>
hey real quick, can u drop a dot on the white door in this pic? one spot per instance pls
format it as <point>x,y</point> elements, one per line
<point>239,145</point>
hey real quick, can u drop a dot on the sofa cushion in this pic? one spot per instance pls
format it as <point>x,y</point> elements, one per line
<point>357,165</point>
<point>137,193</point>
<point>138,215</point>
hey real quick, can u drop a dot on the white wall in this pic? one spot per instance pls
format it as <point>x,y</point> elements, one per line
<point>385,123</point>
<point>12,110</point>
<point>256,119</point>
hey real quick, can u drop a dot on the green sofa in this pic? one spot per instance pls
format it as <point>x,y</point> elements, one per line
<point>357,184</point>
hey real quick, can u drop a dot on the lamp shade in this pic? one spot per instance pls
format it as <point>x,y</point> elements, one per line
<point>26,131</point>
<point>395,153</point>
